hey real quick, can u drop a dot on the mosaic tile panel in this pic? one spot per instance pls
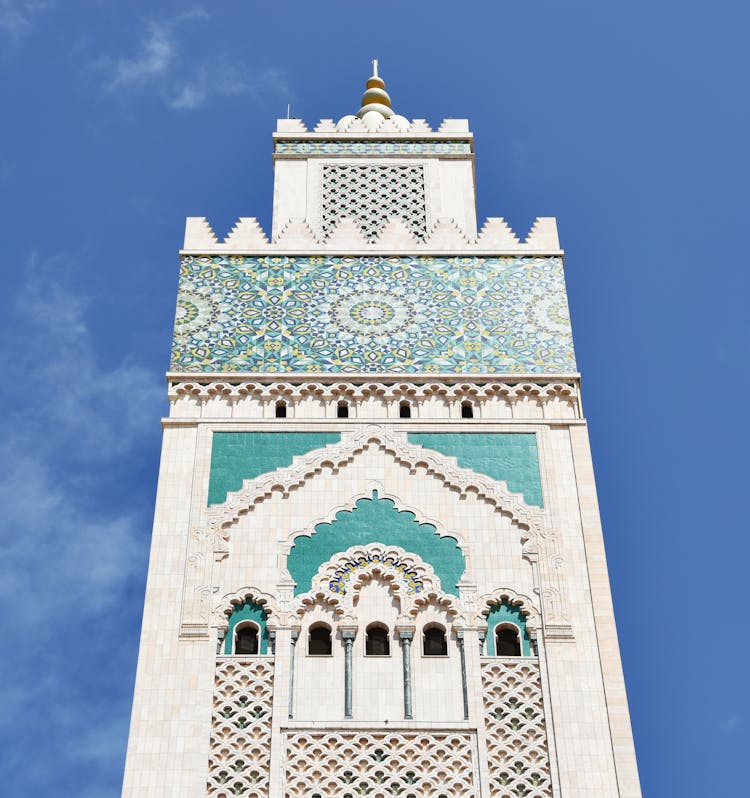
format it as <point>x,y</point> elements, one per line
<point>372,147</point>
<point>375,314</point>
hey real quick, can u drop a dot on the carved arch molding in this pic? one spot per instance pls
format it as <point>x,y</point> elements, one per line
<point>211,527</point>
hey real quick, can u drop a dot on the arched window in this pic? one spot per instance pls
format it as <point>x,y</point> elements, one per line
<point>507,641</point>
<point>404,410</point>
<point>280,409</point>
<point>342,410</point>
<point>467,410</point>
<point>434,643</point>
<point>319,640</point>
<point>377,642</point>
<point>246,639</point>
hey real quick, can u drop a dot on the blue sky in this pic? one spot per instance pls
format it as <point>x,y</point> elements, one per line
<point>627,121</point>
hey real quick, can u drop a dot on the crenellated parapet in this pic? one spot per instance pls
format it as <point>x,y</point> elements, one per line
<point>299,236</point>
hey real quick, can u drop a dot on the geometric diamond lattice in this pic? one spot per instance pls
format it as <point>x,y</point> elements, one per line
<point>370,195</point>
<point>240,750</point>
<point>380,765</point>
<point>517,751</point>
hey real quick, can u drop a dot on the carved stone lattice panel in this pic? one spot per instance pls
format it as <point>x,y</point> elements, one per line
<point>240,752</point>
<point>517,752</point>
<point>380,765</point>
<point>370,195</point>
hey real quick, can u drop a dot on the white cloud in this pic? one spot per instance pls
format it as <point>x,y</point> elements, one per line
<point>72,550</point>
<point>18,17</point>
<point>731,724</point>
<point>154,57</point>
<point>185,80</point>
<point>70,419</point>
<point>223,79</point>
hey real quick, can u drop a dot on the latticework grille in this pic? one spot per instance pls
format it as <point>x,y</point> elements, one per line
<point>517,753</point>
<point>379,765</point>
<point>370,195</point>
<point>241,729</point>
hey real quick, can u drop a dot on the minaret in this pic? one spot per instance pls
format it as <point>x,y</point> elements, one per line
<point>377,565</point>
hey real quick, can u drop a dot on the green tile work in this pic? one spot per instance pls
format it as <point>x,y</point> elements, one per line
<point>375,520</point>
<point>418,315</point>
<point>249,611</point>
<point>236,456</point>
<point>511,457</point>
<point>506,613</point>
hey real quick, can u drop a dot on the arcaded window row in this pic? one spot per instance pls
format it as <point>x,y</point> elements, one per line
<point>507,639</point>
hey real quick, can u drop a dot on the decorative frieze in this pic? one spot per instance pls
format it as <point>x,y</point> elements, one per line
<point>242,398</point>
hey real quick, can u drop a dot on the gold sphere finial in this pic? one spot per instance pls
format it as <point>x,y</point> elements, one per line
<point>375,97</point>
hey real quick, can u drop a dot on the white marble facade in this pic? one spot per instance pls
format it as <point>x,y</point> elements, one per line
<point>207,721</point>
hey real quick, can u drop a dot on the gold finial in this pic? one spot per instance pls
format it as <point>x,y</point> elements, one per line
<point>375,97</point>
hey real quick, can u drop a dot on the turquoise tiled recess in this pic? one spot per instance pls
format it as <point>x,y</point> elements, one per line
<point>249,611</point>
<point>285,147</point>
<point>375,520</point>
<point>511,457</point>
<point>400,314</point>
<point>506,613</point>
<point>237,456</point>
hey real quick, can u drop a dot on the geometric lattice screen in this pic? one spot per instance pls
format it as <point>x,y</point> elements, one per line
<point>380,765</point>
<point>517,752</point>
<point>240,753</point>
<point>369,195</point>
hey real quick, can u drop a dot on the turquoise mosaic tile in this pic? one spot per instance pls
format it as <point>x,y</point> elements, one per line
<point>375,520</point>
<point>237,456</point>
<point>372,147</point>
<point>400,314</point>
<point>508,456</point>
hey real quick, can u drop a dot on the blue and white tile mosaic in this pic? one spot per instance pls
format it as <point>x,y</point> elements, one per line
<point>376,315</point>
<point>286,147</point>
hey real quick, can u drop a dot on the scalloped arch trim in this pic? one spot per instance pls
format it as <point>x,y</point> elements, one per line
<point>375,520</point>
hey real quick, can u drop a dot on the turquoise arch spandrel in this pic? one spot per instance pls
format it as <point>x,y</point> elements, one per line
<point>511,457</point>
<point>237,456</point>
<point>375,520</point>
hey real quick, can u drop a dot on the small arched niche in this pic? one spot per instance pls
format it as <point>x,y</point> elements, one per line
<point>507,640</point>
<point>248,615</point>
<point>434,641</point>
<point>319,640</point>
<point>507,634</point>
<point>246,639</point>
<point>377,640</point>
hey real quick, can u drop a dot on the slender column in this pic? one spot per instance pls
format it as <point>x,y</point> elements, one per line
<point>406,638</point>
<point>292,648</point>
<point>348,636</point>
<point>464,687</point>
<point>482,635</point>
<point>220,642</point>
